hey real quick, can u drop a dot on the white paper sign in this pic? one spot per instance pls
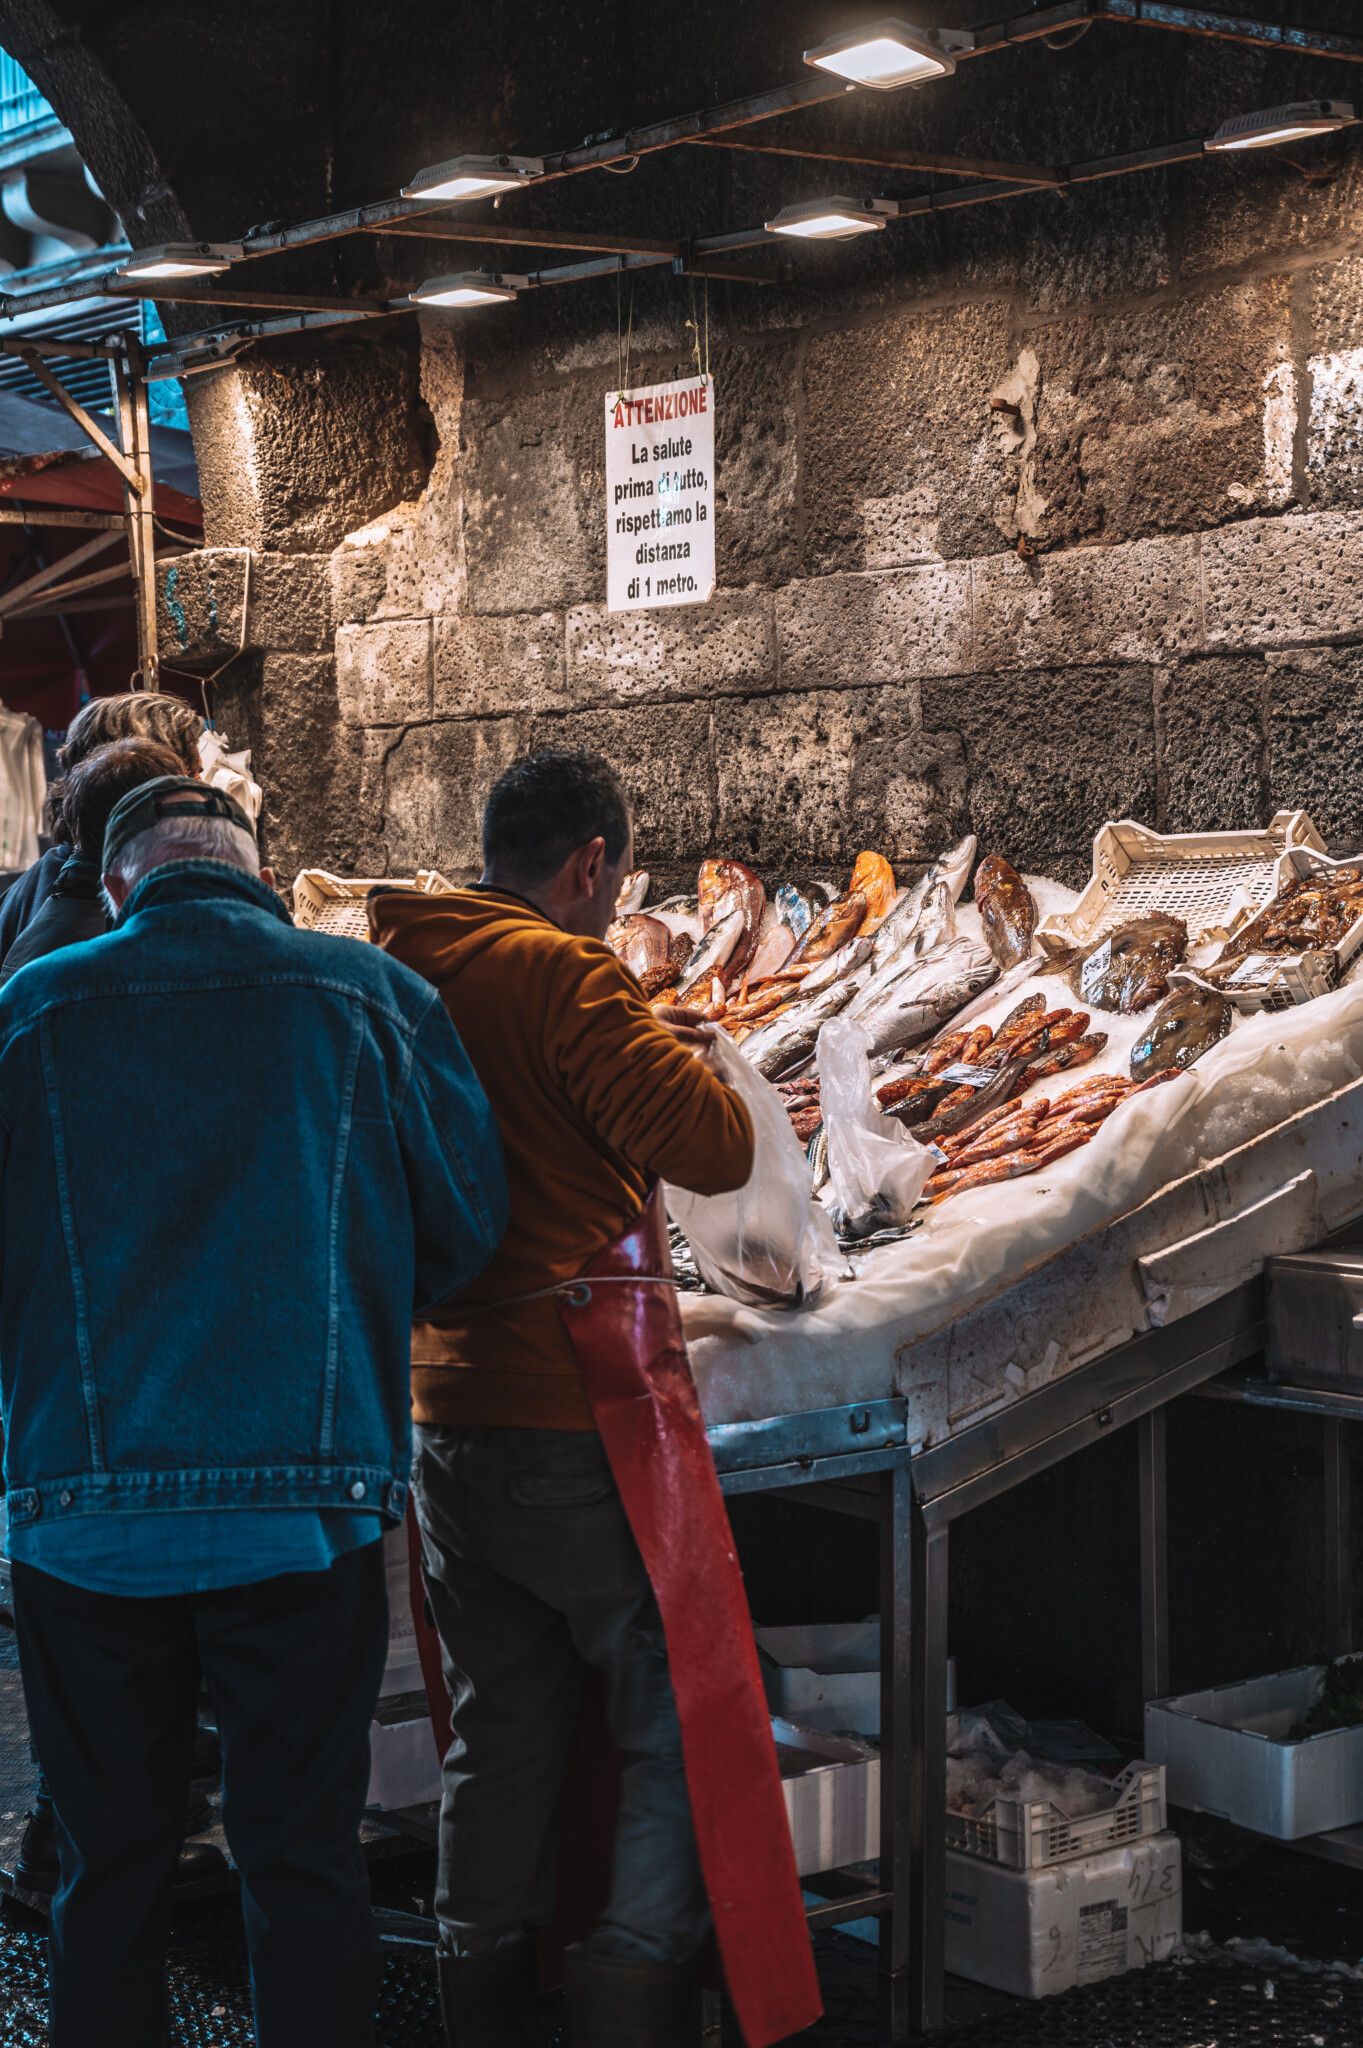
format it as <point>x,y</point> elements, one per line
<point>660,495</point>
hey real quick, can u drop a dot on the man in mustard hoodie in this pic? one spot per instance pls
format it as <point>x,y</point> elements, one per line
<point>529,1556</point>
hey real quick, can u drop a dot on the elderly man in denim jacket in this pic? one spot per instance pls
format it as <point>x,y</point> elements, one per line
<point>235,1160</point>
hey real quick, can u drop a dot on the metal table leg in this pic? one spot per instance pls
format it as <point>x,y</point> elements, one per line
<point>896,1747</point>
<point>1338,1540</point>
<point>927,1965</point>
<point>1154,1493</point>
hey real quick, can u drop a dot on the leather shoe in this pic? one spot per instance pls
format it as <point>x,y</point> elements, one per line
<point>618,2002</point>
<point>491,2001</point>
<point>37,1868</point>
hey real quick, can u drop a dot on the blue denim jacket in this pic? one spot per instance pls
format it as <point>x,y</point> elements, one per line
<point>235,1160</point>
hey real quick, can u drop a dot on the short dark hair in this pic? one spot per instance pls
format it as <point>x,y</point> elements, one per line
<point>546,805</point>
<point>98,782</point>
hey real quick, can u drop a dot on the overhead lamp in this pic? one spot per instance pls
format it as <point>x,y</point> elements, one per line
<point>473,177</point>
<point>826,220</point>
<point>1291,123</point>
<point>467,288</point>
<point>181,259</point>
<point>888,54</point>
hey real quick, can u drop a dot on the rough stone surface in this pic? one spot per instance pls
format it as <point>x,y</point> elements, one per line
<point>200,604</point>
<point>663,756</point>
<point>812,778</point>
<point>1049,755</point>
<point>297,449</point>
<point>1278,583</point>
<point>534,500</point>
<point>486,667</point>
<point>383,672</point>
<point>1315,741</point>
<point>846,630</point>
<point>696,650</point>
<point>435,781</point>
<point>310,765</point>
<point>1137,603</point>
<point>1213,745</point>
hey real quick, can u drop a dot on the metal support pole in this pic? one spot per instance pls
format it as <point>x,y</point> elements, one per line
<point>134,424</point>
<point>897,1556</point>
<point>1154,1492</point>
<point>927,1964</point>
<point>1338,1541</point>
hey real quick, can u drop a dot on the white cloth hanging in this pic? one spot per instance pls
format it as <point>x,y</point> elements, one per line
<point>230,772</point>
<point>23,787</point>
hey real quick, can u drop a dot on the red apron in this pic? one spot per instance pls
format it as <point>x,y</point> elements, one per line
<point>629,1344</point>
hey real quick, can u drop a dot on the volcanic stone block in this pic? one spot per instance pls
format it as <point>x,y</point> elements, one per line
<point>836,631</point>
<point>359,579</point>
<point>485,666</point>
<point>435,784</point>
<point>1334,453</point>
<point>1212,744</point>
<point>1315,741</point>
<point>300,447</point>
<point>1135,603</point>
<point>383,671</point>
<point>898,405</point>
<point>308,762</point>
<point>695,650</point>
<point>756,466</point>
<point>1154,421</point>
<point>662,754</point>
<point>1050,755</point>
<point>809,779</point>
<point>1282,582</point>
<point>200,597</point>
<point>535,499</point>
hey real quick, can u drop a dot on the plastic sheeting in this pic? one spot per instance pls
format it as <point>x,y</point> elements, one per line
<point>749,1364</point>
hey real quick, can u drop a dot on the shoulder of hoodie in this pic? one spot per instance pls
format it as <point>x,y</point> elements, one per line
<point>117,964</point>
<point>522,932</point>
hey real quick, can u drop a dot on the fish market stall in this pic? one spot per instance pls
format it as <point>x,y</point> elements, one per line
<point>1161,1097</point>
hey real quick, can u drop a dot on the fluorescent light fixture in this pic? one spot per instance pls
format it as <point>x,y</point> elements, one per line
<point>826,220</point>
<point>466,288</point>
<point>181,259</point>
<point>1291,123</point>
<point>885,54</point>
<point>473,177</point>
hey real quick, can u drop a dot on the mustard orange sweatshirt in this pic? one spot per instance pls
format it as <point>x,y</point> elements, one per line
<point>595,1101</point>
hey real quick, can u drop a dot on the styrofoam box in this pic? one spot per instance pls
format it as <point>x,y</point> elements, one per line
<point>832,1790</point>
<point>824,1676</point>
<point>404,1765</point>
<point>1226,1752</point>
<point>1034,1932</point>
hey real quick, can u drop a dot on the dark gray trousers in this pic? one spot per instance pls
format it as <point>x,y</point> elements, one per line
<point>533,1571</point>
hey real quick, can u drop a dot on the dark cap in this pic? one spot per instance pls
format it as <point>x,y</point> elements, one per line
<point>170,796</point>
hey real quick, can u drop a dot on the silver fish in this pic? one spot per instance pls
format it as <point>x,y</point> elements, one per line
<point>788,1041</point>
<point>848,958</point>
<point>713,950</point>
<point>956,865</point>
<point>817,1155</point>
<point>793,909</point>
<point>689,906</point>
<point>633,890</point>
<point>933,930</point>
<point>920,1000</point>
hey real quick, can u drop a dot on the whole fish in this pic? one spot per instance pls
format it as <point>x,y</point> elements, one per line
<point>786,1042</point>
<point>714,950</point>
<point>838,966</point>
<point>1128,969</point>
<point>1006,909</point>
<point>1186,1024</point>
<point>873,878</point>
<point>641,942</point>
<point>633,890</point>
<point>916,1003</point>
<point>793,910</point>
<point>899,948</point>
<point>954,866</point>
<point>830,929</point>
<point>738,887</point>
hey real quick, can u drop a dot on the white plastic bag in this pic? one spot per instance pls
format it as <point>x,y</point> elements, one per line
<point>877,1170</point>
<point>769,1244</point>
<point>230,773</point>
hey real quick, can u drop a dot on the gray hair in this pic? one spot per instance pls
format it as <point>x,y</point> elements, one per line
<point>186,839</point>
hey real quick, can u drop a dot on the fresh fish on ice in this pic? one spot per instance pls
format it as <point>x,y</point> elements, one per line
<point>793,910</point>
<point>775,944</point>
<point>1187,1023</point>
<point>641,942</point>
<point>873,878</point>
<point>830,929</point>
<point>714,950</point>
<point>1007,912</point>
<point>633,890</point>
<point>929,991</point>
<point>954,867</point>
<point>788,1041</point>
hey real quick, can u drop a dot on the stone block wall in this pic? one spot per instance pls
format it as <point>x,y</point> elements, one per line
<point>1008,562</point>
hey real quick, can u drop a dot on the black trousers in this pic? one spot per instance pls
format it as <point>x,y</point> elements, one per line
<point>293,1665</point>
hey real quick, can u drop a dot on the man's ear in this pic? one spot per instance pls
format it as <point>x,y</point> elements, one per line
<point>115,887</point>
<point>267,877</point>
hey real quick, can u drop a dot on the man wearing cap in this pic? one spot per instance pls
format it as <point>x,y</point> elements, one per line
<point>205,1299</point>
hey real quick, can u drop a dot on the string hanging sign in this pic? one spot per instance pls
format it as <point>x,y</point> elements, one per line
<point>660,495</point>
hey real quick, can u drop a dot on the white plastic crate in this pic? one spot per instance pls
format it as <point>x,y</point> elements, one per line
<point>1028,1834</point>
<point>1228,1752</point>
<point>1277,981</point>
<point>1035,1932</point>
<point>333,903</point>
<point>1205,878</point>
